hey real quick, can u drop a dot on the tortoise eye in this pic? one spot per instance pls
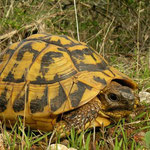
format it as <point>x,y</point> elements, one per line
<point>112,97</point>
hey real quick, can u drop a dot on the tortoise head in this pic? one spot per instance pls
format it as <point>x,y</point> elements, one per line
<point>118,100</point>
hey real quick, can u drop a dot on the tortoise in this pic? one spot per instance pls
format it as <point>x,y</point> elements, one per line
<point>55,81</point>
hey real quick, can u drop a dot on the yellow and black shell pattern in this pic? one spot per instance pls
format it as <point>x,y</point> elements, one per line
<point>47,75</point>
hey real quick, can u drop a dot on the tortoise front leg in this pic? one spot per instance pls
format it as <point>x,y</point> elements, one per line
<point>79,118</point>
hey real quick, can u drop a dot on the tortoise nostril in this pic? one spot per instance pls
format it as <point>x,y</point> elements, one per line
<point>128,96</point>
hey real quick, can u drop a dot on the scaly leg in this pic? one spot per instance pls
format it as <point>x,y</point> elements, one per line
<point>79,118</point>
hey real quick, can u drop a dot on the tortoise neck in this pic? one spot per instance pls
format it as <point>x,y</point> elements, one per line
<point>79,117</point>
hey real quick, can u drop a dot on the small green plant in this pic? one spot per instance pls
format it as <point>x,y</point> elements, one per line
<point>80,141</point>
<point>118,144</point>
<point>147,139</point>
<point>20,137</point>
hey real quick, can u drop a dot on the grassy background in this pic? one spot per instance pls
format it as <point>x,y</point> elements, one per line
<point>118,30</point>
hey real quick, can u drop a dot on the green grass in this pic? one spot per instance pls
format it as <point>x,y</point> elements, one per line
<point>20,138</point>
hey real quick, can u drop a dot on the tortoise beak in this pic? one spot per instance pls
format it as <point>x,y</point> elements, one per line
<point>137,102</point>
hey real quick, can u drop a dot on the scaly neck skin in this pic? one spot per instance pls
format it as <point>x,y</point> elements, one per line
<point>80,118</point>
<point>86,113</point>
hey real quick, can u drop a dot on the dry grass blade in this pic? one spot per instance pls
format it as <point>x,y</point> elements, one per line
<point>1,142</point>
<point>76,16</point>
<point>104,39</point>
<point>50,140</point>
<point>137,122</point>
<point>8,35</point>
<point>149,59</point>
<point>10,8</point>
<point>138,38</point>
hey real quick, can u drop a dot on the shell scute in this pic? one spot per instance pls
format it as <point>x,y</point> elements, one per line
<point>38,100</point>
<point>20,97</point>
<point>85,60</point>
<point>4,98</point>
<point>76,93</point>
<point>51,66</point>
<point>38,104</point>
<point>57,101</point>
<point>4,58</point>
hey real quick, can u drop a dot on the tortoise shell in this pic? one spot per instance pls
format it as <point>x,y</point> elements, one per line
<point>45,75</point>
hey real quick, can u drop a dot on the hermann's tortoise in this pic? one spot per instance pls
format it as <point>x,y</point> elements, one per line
<point>56,81</point>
